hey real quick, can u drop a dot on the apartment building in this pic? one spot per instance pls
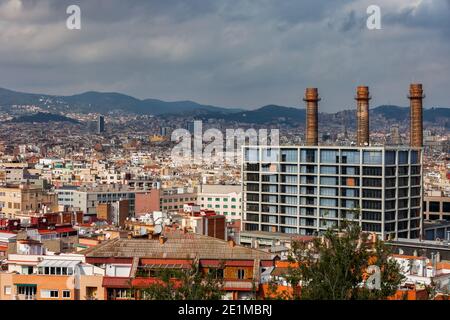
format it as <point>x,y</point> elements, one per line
<point>87,199</point>
<point>309,189</point>
<point>18,198</point>
<point>34,274</point>
<point>225,200</point>
<point>436,207</point>
<point>306,190</point>
<point>135,262</point>
<point>173,199</point>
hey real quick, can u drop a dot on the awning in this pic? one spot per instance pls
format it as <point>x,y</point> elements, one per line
<point>59,263</point>
<point>26,285</point>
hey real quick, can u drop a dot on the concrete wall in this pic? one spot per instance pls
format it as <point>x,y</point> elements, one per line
<point>91,288</point>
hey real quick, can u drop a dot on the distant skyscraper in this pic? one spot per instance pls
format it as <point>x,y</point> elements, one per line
<point>101,124</point>
<point>165,131</point>
<point>190,126</point>
<point>395,135</point>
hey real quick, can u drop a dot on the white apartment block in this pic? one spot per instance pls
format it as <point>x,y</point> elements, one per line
<point>224,199</point>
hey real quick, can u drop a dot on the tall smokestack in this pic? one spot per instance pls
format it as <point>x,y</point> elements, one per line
<point>312,134</point>
<point>362,114</point>
<point>416,127</point>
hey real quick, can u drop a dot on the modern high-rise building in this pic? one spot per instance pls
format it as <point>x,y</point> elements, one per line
<point>309,189</point>
<point>165,131</point>
<point>101,124</point>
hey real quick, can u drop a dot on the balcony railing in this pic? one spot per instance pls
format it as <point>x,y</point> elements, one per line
<point>24,297</point>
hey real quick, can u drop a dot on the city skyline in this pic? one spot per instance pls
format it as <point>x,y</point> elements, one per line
<point>226,150</point>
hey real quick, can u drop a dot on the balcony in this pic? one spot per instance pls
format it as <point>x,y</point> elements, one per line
<point>24,297</point>
<point>246,285</point>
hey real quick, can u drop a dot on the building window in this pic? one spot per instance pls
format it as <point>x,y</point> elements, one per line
<point>328,191</point>
<point>289,155</point>
<point>329,181</point>
<point>270,154</point>
<point>251,227</point>
<point>328,202</point>
<point>371,227</point>
<point>329,170</point>
<point>241,274</point>
<point>27,270</point>
<point>372,171</point>
<point>403,157</point>
<point>389,157</point>
<point>446,207</point>
<point>49,294</point>
<point>434,206</point>
<point>351,157</point>
<point>308,155</point>
<point>414,157</point>
<point>7,290</point>
<point>66,294</point>
<point>216,273</point>
<point>372,157</point>
<point>329,156</point>
<point>372,216</point>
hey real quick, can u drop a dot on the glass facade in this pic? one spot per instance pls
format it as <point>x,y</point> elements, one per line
<point>306,190</point>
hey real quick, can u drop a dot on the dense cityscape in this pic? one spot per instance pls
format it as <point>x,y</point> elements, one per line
<point>224,159</point>
<point>95,205</point>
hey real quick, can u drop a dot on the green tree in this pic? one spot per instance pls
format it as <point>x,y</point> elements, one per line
<point>334,267</point>
<point>186,284</point>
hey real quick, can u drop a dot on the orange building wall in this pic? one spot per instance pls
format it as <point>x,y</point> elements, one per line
<point>147,202</point>
<point>410,295</point>
<point>92,282</point>
<point>103,210</point>
<point>231,273</point>
<point>46,282</point>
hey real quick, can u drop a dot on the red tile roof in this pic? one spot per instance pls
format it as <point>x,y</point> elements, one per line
<point>117,282</point>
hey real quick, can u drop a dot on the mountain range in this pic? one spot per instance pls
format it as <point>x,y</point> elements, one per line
<point>104,103</point>
<point>112,102</point>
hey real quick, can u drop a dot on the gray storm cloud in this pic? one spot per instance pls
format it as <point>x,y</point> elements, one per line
<point>245,53</point>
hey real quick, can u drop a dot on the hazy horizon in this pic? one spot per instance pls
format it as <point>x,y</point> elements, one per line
<point>243,108</point>
<point>241,54</point>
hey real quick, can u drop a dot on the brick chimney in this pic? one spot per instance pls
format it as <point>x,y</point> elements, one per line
<point>362,114</point>
<point>312,133</point>
<point>416,126</point>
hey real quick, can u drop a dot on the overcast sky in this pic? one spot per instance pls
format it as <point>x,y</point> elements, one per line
<point>243,53</point>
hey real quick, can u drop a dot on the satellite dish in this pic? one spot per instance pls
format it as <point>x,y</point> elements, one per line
<point>157,229</point>
<point>44,220</point>
<point>15,223</point>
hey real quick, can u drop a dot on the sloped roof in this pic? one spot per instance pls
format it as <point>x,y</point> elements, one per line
<point>178,245</point>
